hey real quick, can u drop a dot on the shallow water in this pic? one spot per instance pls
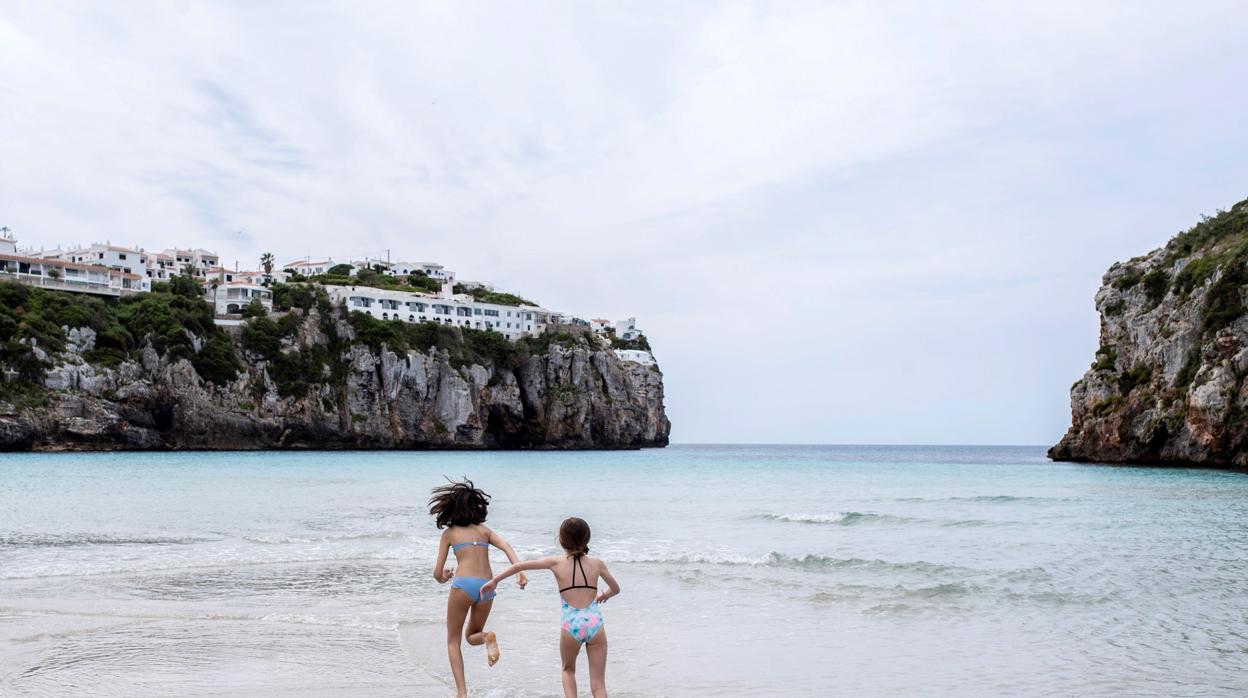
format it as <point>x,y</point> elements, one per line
<point>747,571</point>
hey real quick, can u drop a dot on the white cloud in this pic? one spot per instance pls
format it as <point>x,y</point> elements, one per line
<point>849,221</point>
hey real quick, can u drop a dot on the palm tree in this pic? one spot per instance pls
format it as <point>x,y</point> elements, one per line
<point>266,261</point>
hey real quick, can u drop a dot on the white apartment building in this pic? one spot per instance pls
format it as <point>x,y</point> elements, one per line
<point>123,259</point>
<point>199,260</point>
<point>433,269</point>
<point>63,275</point>
<point>627,329</point>
<point>161,266</point>
<point>459,310</point>
<point>636,356</point>
<point>307,267</point>
<point>230,297</point>
<point>430,269</point>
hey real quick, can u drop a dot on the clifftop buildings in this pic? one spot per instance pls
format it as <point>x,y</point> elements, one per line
<point>110,270</point>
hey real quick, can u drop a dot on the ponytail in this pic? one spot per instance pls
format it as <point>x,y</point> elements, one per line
<point>574,537</point>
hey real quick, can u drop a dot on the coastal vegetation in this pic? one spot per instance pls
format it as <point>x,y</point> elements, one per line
<point>178,323</point>
<point>341,275</point>
<point>486,295</point>
<point>173,317</point>
<point>464,346</point>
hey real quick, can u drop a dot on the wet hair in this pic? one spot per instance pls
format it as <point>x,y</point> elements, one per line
<point>574,536</point>
<point>459,504</point>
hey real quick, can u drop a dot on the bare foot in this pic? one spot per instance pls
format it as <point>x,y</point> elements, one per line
<point>491,647</point>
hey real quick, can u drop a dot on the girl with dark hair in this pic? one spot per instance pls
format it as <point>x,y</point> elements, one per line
<point>581,616</point>
<point>461,508</point>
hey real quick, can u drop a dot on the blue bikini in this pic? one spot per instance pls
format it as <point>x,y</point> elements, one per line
<point>472,585</point>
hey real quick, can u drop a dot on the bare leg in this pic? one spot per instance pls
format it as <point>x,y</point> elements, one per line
<point>475,632</point>
<point>568,649</point>
<point>457,605</point>
<point>596,649</point>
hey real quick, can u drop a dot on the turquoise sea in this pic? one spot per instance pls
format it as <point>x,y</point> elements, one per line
<point>746,571</point>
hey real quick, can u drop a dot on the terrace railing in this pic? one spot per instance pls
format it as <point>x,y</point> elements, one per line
<point>63,285</point>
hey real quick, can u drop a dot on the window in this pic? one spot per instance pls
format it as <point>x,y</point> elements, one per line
<point>120,256</point>
<point>476,311</point>
<point>411,318</point>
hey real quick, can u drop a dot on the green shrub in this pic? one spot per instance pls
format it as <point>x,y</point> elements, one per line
<point>1223,228</point>
<point>639,343</point>
<point>1224,303</point>
<point>1104,407</point>
<point>255,309</point>
<point>1156,283</point>
<point>339,270</point>
<point>290,296</point>
<point>215,361</point>
<point>485,295</point>
<point>1187,373</point>
<point>421,280</point>
<point>186,285</point>
<point>1194,274</point>
<point>1128,279</point>
<point>1106,356</point>
<point>1137,376</point>
<point>262,336</point>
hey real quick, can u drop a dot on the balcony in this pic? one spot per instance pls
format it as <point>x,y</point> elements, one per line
<point>96,288</point>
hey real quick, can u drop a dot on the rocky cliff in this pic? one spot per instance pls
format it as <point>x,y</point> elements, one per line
<point>574,393</point>
<point>1167,384</point>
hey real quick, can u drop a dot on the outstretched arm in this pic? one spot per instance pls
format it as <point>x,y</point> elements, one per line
<point>440,571</point>
<point>518,568</point>
<point>501,543</point>
<point>613,587</point>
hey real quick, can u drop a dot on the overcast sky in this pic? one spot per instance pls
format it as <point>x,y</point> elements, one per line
<point>837,222</point>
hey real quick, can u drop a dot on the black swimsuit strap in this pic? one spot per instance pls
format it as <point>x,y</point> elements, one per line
<point>575,564</point>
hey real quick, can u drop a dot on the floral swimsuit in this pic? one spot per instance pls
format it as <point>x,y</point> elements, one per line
<point>582,624</point>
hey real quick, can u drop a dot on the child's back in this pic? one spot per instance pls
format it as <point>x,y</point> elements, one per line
<point>577,575</point>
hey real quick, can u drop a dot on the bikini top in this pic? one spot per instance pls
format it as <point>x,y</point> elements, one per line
<point>584,576</point>
<point>457,546</point>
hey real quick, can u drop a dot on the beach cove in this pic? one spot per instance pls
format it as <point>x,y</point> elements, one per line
<point>746,571</point>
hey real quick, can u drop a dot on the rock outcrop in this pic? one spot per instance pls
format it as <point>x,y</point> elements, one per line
<point>578,395</point>
<point>1167,385</point>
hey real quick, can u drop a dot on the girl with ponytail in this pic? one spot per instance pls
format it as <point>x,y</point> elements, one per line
<point>581,620</point>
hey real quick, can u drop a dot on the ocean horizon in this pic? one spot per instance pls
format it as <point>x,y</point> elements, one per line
<point>747,570</point>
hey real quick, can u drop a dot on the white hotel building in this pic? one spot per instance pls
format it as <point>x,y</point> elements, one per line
<point>65,274</point>
<point>457,309</point>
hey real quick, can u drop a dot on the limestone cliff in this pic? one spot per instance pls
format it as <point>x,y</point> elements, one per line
<point>1167,384</point>
<point>575,394</point>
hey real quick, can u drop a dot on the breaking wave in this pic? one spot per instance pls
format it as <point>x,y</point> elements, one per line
<point>805,562</point>
<point>57,540</point>
<point>845,518</point>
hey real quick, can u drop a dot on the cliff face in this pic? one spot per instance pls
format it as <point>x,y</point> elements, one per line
<point>576,396</point>
<point>1168,384</point>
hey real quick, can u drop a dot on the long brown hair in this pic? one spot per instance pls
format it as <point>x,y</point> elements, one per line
<point>459,504</point>
<point>574,536</point>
